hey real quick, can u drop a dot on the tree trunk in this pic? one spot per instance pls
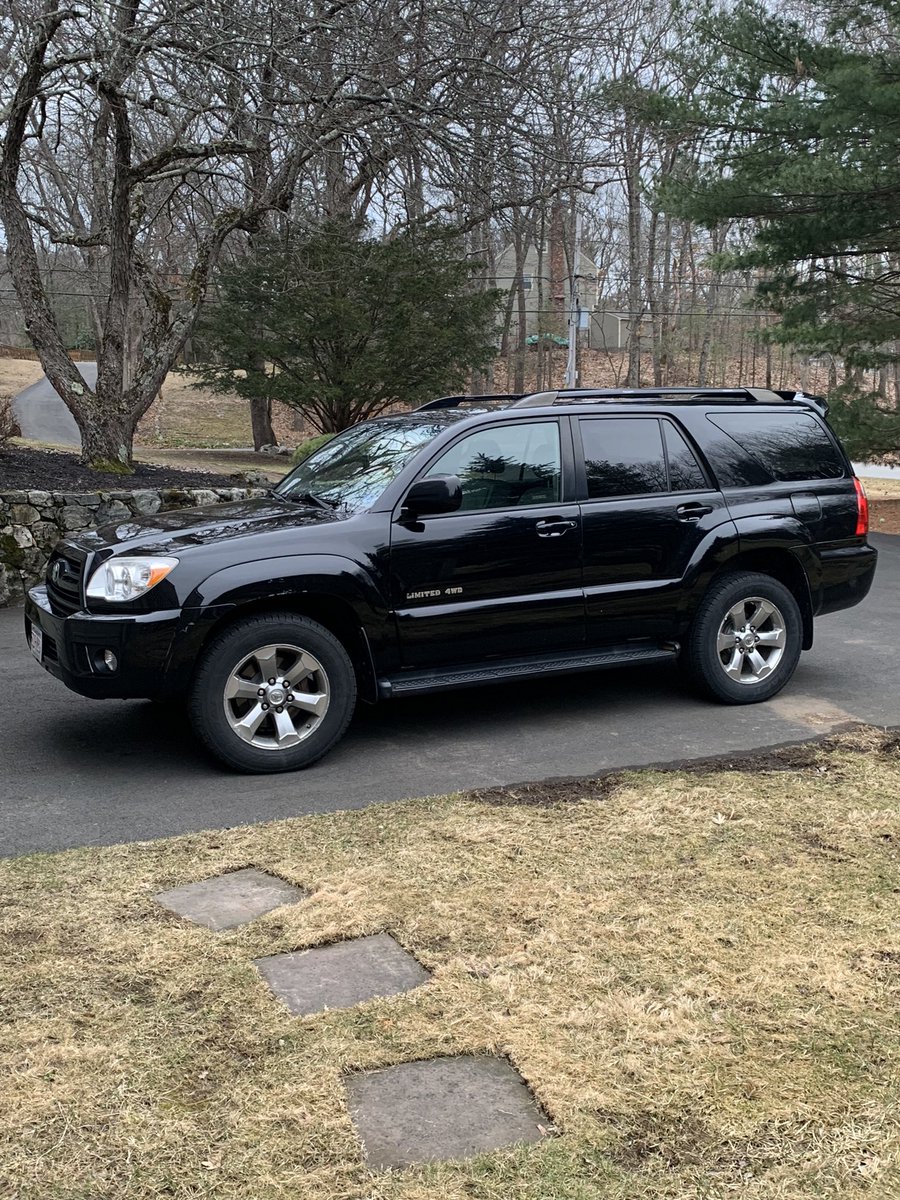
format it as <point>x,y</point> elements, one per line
<point>261,422</point>
<point>106,439</point>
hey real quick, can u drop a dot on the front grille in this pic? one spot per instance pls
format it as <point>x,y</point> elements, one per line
<point>64,573</point>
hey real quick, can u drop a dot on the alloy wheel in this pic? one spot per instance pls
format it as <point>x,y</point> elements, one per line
<point>276,696</point>
<point>751,640</point>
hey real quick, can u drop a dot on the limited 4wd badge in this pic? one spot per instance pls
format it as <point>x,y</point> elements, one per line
<point>434,593</point>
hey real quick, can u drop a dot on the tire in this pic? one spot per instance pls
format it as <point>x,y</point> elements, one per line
<point>272,693</point>
<point>745,640</point>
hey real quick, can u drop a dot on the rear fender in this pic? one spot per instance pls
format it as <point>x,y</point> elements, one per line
<point>779,546</point>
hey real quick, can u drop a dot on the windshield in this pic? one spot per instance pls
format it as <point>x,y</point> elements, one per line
<point>352,470</point>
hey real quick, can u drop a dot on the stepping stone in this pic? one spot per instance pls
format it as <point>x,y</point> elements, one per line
<point>225,901</point>
<point>342,974</point>
<point>442,1108</point>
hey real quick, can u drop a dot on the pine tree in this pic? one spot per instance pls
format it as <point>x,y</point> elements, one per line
<point>802,133</point>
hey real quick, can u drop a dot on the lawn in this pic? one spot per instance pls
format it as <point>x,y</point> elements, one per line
<point>183,415</point>
<point>697,973</point>
<point>17,374</point>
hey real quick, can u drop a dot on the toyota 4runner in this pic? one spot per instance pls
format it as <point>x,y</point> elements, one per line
<point>474,540</point>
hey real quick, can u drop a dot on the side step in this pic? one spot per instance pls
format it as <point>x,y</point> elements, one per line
<point>415,683</point>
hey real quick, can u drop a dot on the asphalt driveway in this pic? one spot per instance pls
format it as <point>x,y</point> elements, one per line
<point>81,772</point>
<point>43,416</point>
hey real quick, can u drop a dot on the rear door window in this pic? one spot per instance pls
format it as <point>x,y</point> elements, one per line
<point>623,456</point>
<point>788,446</point>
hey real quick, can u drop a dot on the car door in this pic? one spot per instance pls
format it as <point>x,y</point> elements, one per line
<point>500,577</point>
<point>648,506</point>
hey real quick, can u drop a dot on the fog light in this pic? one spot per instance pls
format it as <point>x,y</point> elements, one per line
<point>109,660</point>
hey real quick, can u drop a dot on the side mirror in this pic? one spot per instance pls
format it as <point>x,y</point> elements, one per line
<point>428,497</point>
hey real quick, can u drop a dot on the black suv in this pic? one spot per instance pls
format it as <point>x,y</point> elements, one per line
<point>474,540</point>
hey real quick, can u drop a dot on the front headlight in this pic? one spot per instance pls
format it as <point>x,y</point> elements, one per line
<point>128,578</point>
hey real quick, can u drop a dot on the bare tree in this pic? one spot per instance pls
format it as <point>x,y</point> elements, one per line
<point>148,135</point>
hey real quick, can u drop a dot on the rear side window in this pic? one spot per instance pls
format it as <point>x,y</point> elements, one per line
<point>787,446</point>
<point>623,456</point>
<point>685,473</point>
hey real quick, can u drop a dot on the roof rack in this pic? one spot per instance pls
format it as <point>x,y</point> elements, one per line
<point>745,395</point>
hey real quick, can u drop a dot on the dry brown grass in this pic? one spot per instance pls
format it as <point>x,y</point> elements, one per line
<point>188,416</point>
<point>882,489</point>
<point>698,975</point>
<point>182,416</point>
<point>223,461</point>
<point>16,374</point>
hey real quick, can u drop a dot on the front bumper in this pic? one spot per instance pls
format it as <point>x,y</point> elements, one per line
<point>143,644</point>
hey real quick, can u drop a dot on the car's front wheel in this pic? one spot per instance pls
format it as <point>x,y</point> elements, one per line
<point>745,640</point>
<point>272,692</point>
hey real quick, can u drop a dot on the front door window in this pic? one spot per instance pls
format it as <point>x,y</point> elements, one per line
<point>506,466</point>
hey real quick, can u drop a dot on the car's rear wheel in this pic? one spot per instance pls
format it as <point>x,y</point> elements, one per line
<point>745,640</point>
<point>273,693</point>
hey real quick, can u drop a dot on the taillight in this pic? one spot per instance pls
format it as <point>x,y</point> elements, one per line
<point>862,509</point>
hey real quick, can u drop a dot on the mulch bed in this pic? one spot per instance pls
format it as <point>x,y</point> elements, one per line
<point>56,471</point>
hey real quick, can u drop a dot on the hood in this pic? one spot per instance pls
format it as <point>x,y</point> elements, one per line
<point>176,531</point>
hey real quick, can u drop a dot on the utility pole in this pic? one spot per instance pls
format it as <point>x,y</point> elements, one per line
<point>574,310</point>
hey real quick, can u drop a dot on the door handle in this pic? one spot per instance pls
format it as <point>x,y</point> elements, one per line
<point>692,512</point>
<point>554,528</point>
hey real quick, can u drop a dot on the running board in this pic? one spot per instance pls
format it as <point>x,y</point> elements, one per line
<point>414,683</point>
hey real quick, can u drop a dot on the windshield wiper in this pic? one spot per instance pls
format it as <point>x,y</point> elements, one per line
<point>307,498</point>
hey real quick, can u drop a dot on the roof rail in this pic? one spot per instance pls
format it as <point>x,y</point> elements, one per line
<point>537,400</point>
<point>611,395</point>
<point>455,401</point>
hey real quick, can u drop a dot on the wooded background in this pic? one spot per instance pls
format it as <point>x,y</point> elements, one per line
<point>150,143</point>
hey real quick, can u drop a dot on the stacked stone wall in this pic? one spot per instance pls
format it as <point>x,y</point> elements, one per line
<point>32,522</point>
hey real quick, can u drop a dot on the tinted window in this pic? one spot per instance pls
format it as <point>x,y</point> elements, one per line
<point>685,473</point>
<point>732,466</point>
<point>506,465</point>
<point>623,456</point>
<point>789,446</point>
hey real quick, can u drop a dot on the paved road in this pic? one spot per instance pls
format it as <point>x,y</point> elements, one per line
<point>43,416</point>
<point>82,772</point>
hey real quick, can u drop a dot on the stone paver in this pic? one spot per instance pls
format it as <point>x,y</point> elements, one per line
<point>225,901</point>
<point>442,1108</point>
<point>341,974</point>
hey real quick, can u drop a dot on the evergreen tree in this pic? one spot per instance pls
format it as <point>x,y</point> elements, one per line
<point>802,135</point>
<point>340,326</point>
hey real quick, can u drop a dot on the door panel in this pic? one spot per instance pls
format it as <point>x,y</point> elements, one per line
<point>636,552</point>
<point>640,536</point>
<point>502,576</point>
<point>469,586</point>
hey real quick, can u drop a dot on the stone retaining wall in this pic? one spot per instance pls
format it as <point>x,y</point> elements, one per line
<point>32,522</point>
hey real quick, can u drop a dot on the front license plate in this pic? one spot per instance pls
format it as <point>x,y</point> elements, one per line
<point>37,642</point>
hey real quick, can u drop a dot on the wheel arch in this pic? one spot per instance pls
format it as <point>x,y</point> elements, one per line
<point>779,563</point>
<point>335,613</point>
<point>338,593</point>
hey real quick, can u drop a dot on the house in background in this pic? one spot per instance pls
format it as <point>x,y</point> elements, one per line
<point>610,330</point>
<point>545,283</point>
